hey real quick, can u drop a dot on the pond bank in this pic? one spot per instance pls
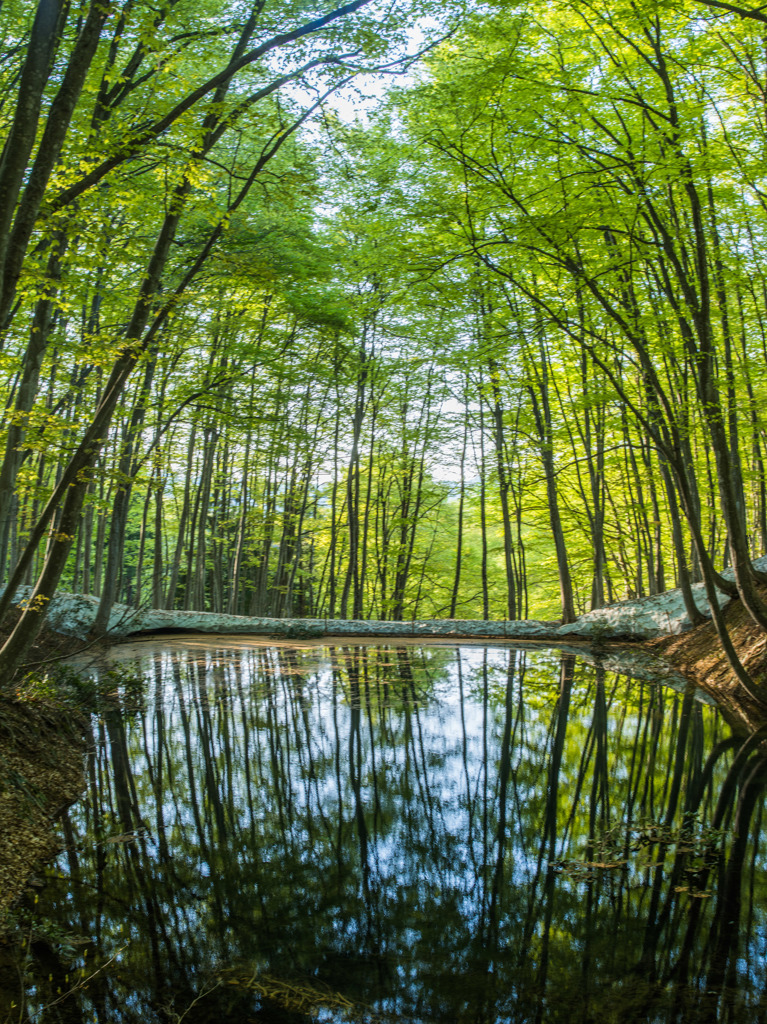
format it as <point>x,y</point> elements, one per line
<point>41,763</point>
<point>698,655</point>
<point>42,743</point>
<point>41,773</point>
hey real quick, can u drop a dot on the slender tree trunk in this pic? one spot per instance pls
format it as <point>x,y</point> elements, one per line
<point>351,581</point>
<point>459,526</point>
<point>334,515</point>
<point>503,489</point>
<point>539,396</point>
<point>483,513</point>
<point>33,616</point>
<point>43,325</point>
<point>142,547</point>
<point>170,600</point>
<point>158,490</point>
<point>234,584</point>
<point>126,471</point>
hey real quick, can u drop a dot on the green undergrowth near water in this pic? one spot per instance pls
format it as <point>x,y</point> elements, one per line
<point>64,687</point>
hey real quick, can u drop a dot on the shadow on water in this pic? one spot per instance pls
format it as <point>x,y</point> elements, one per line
<point>405,834</point>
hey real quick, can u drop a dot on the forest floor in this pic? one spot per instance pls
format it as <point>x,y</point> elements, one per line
<point>41,768</point>
<point>698,655</point>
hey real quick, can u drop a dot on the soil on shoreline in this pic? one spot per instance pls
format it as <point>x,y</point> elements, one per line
<point>41,768</point>
<point>41,773</point>
<point>699,656</point>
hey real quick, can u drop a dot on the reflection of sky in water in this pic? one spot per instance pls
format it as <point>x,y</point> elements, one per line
<point>350,815</point>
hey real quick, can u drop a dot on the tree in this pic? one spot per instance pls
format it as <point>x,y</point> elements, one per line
<point>626,236</point>
<point>156,110</point>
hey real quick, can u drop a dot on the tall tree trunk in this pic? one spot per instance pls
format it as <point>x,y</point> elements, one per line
<point>499,439</point>
<point>351,580</point>
<point>539,396</point>
<point>158,561</point>
<point>170,600</point>
<point>459,526</point>
<point>126,470</point>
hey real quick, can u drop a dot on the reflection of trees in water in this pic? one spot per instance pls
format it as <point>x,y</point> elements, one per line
<point>471,835</point>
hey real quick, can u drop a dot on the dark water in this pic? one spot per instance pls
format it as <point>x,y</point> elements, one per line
<point>409,834</point>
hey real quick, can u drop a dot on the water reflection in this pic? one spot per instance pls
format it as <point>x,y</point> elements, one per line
<point>411,834</point>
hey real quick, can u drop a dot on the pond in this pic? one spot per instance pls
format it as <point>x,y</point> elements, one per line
<point>405,833</point>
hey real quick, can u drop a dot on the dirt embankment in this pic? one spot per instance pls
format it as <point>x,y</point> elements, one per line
<point>698,654</point>
<point>41,773</point>
<point>41,768</point>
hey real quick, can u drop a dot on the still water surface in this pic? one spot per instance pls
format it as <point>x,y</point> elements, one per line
<point>409,834</point>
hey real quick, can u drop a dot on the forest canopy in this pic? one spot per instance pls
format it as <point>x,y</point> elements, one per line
<point>383,310</point>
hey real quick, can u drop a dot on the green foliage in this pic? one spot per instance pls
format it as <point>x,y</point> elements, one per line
<point>499,329</point>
